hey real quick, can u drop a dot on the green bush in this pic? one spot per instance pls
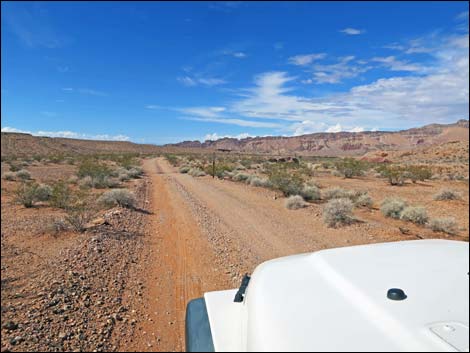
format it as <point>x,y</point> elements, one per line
<point>26,194</point>
<point>350,167</point>
<point>420,173</point>
<point>62,194</point>
<point>43,192</point>
<point>286,182</point>
<point>395,175</point>
<point>94,169</point>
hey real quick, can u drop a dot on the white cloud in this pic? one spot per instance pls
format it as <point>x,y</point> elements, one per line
<point>235,54</point>
<point>87,91</point>
<point>394,64</point>
<point>352,31</point>
<point>345,68</point>
<point>49,114</point>
<point>462,16</point>
<point>194,81</point>
<point>154,106</point>
<point>69,134</point>
<point>305,59</point>
<point>238,122</point>
<point>215,136</point>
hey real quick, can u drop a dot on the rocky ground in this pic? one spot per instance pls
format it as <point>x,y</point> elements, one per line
<point>78,294</point>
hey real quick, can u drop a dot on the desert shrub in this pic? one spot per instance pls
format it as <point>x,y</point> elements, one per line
<point>414,214</point>
<point>112,182</point>
<point>123,176</point>
<point>218,170</point>
<point>79,217</point>
<point>25,194</point>
<point>392,207</point>
<point>336,173</point>
<point>14,167</point>
<point>240,167</point>
<point>350,167</point>
<point>120,197</point>
<point>57,226</point>
<point>338,212</point>
<point>310,193</point>
<point>62,195</point>
<point>43,192</point>
<point>135,172</point>
<point>364,200</point>
<point>416,173</point>
<point>86,182</point>
<point>288,183</point>
<point>9,176</point>
<point>172,159</point>
<point>93,169</point>
<point>446,194</point>
<point>295,202</point>
<point>184,169</point>
<point>395,175</point>
<point>336,193</point>
<point>196,172</point>
<point>73,179</point>
<point>23,174</point>
<point>241,177</point>
<point>446,224</point>
<point>262,182</point>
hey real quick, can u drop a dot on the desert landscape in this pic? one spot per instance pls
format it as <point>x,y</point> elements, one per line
<point>104,243</point>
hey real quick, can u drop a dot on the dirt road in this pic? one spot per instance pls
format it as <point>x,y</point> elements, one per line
<point>206,233</point>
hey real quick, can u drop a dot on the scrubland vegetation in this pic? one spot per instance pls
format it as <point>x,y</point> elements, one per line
<point>295,179</point>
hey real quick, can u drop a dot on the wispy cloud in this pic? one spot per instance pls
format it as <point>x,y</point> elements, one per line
<point>49,114</point>
<point>235,54</point>
<point>392,63</point>
<point>305,59</point>
<point>87,91</point>
<point>32,25</point>
<point>352,31</point>
<point>69,134</point>
<point>344,68</point>
<point>463,16</point>
<point>205,81</point>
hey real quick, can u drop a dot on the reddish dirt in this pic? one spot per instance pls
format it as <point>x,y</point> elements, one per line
<point>207,233</point>
<point>125,286</point>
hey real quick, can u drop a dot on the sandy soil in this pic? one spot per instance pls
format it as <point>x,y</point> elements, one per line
<point>207,233</point>
<point>125,285</point>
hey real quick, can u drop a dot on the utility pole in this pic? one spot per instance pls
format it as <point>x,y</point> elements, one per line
<point>213,166</point>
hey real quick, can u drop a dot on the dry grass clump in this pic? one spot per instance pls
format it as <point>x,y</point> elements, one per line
<point>310,193</point>
<point>446,224</point>
<point>196,172</point>
<point>414,214</point>
<point>184,169</point>
<point>364,200</point>
<point>9,176</point>
<point>446,194</point>
<point>25,194</point>
<point>338,212</point>
<point>119,197</point>
<point>295,202</point>
<point>336,193</point>
<point>392,207</point>
<point>23,174</point>
<point>43,192</point>
<point>262,182</point>
<point>241,177</point>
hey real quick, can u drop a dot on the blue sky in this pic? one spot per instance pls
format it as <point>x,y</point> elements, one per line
<point>162,72</point>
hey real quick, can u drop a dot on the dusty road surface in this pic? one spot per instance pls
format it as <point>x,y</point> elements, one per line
<point>206,233</point>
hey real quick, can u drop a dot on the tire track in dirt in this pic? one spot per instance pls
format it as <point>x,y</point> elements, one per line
<point>179,267</point>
